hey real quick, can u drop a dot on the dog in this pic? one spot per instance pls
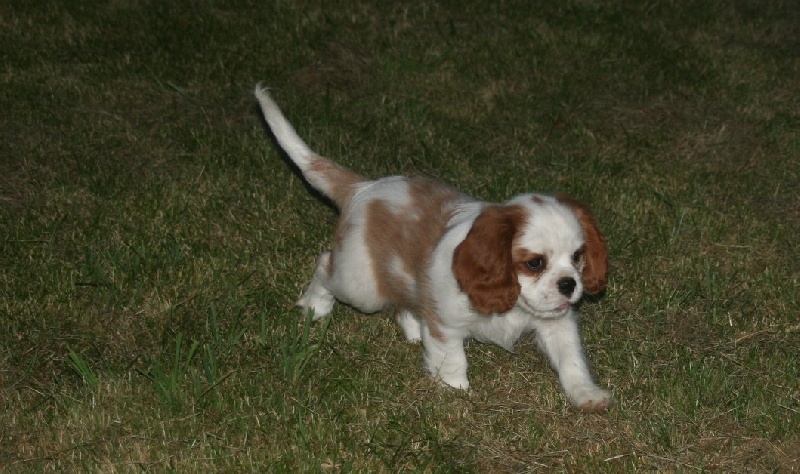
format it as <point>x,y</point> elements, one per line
<point>453,267</point>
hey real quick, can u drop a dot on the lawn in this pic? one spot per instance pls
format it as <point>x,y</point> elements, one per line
<point>153,241</point>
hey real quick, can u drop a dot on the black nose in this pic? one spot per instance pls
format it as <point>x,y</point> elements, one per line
<point>566,286</point>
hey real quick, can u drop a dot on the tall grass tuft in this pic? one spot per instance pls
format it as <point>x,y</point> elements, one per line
<point>298,348</point>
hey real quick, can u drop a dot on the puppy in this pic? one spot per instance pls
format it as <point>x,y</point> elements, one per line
<point>452,267</point>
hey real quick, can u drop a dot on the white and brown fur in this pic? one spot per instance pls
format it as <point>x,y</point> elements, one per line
<point>452,267</point>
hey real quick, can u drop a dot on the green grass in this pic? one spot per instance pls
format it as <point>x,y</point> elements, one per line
<point>152,241</point>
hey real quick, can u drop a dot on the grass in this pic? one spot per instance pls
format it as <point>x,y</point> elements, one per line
<point>153,242</point>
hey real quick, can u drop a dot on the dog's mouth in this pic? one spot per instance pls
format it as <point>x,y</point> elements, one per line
<point>557,311</point>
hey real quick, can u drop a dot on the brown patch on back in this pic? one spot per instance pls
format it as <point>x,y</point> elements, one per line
<point>595,272</point>
<point>341,182</point>
<point>406,238</point>
<point>483,263</point>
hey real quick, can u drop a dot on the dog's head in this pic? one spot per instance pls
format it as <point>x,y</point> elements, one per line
<point>538,252</point>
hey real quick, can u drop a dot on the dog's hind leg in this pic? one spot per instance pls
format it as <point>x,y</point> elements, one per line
<point>317,296</point>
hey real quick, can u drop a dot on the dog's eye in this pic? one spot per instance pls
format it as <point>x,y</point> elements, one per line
<point>576,257</point>
<point>535,264</point>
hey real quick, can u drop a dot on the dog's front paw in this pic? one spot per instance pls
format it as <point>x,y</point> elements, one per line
<point>412,326</point>
<point>590,398</point>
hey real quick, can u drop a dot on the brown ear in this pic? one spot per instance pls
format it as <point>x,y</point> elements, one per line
<point>595,273</point>
<point>482,263</point>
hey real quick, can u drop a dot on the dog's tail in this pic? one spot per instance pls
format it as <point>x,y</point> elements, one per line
<point>334,182</point>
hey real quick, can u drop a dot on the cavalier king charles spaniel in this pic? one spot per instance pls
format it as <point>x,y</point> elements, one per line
<point>453,267</point>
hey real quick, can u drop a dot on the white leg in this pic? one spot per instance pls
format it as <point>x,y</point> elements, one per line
<point>317,297</point>
<point>412,326</point>
<point>446,360</point>
<point>559,339</point>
